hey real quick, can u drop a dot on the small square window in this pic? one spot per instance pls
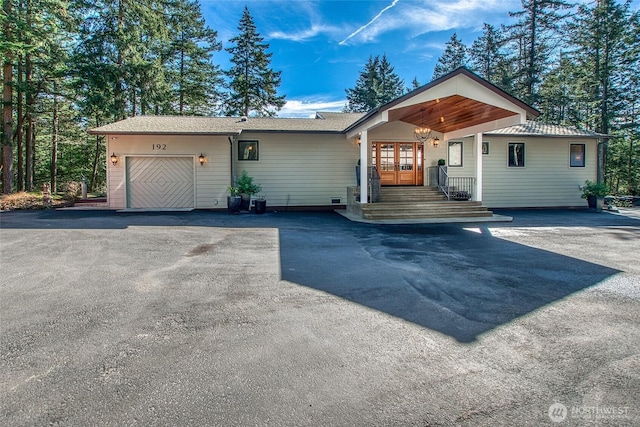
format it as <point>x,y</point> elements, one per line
<point>455,154</point>
<point>248,150</point>
<point>516,154</point>
<point>576,155</point>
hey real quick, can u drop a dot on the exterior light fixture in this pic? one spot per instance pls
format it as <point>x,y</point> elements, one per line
<point>114,159</point>
<point>201,159</point>
<point>422,133</point>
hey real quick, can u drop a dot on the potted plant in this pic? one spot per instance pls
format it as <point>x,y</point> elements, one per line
<point>260,205</point>
<point>592,191</point>
<point>247,188</point>
<point>441,167</point>
<point>233,200</point>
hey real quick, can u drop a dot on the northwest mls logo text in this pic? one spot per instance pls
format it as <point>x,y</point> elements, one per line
<point>558,412</point>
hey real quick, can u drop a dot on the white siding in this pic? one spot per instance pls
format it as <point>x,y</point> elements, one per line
<point>468,158</point>
<point>212,179</point>
<point>301,169</point>
<point>545,181</point>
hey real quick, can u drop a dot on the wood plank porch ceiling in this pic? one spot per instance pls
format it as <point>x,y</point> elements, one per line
<point>449,114</point>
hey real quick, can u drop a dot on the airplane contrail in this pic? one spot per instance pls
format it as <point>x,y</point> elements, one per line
<point>369,23</point>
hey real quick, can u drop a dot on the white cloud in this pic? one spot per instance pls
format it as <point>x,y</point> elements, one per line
<point>302,108</point>
<point>313,31</point>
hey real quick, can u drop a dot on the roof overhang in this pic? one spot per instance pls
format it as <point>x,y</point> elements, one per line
<point>458,104</point>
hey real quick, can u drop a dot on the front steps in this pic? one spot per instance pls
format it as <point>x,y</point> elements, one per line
<point>398,203</point>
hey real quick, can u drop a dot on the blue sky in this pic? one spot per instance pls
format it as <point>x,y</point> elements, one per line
<point>321,46</point>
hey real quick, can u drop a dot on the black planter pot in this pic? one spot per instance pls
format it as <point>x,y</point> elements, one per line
<point>246,202</point>
<point>592,201</point>
<point>233,204</point>
<point>260,206</point>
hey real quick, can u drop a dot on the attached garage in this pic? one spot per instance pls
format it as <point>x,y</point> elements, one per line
<point>160,182</point>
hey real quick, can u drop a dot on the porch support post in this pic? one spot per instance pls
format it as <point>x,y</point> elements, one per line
<point>478,196</point>
<point>364,167</point>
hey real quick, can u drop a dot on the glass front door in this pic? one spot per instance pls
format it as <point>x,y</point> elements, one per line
<point>399,163</point>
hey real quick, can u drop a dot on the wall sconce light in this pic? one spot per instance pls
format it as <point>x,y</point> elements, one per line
<point>114,159</point>
<point>201,159</point>
<point>435,141</point>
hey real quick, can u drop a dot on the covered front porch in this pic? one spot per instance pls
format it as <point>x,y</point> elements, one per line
<point>405,142</point>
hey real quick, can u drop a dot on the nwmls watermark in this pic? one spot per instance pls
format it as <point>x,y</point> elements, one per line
<point>559,412</point>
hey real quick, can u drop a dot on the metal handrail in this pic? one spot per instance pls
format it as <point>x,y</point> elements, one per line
<point>455,187</point>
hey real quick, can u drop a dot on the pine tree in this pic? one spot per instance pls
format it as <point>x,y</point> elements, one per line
<point>253,84</point>
<point>362,97</point>
<point>377,85</point>
<point>454,56</point>
<point>606,40</point>
<point>8,53</point>
<point>195,79</point>
<point>539,23</point>
<point>487,59</point>
<point>389,85</point>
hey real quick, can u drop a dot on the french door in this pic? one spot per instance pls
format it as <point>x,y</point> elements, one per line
<point>399,163</point>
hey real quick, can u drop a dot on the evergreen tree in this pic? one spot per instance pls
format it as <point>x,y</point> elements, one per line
<point>454,56</point>
<point>377,85</point>
<point>415,84</point>
<point>538,25</point>
<point>253,84</point>
<point>362,97</point>
<point>605,55</point>
<point>195,79</point>
<point>557,94</point>
<point>388,85</point>
<point>8,54</point>
<point>487,58</point>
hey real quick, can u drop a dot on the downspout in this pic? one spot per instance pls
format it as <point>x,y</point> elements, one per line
<point>231,178</point>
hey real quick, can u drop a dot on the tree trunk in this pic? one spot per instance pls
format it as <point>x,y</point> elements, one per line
<point>181,108</point>
<point>7,109</point>
<point>20,125</point>
<point>54,141</point>
<point>30,131</point>
<point>96,160</point>
<point>532,53</point>
<point>119,89</point>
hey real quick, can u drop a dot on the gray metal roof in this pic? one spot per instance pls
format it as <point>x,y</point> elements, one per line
<point>531,128</point>
<point>189,125</point>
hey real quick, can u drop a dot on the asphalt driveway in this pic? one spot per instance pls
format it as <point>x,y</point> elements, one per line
<point>289,318</point>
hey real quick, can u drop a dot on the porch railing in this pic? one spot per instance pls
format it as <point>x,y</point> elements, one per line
<point>373,183</point>
<point>454,187</point>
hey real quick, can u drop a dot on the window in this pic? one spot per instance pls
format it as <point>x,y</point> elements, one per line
<point>247,150</point>
<point>485,148</point>
<point>576,155</point>
<point>455,154</point>
<point>516,154</point>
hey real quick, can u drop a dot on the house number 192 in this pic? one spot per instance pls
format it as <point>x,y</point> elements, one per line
<point>158,146</point>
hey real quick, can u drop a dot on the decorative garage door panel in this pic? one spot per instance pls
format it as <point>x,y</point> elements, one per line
<point>160,182</point>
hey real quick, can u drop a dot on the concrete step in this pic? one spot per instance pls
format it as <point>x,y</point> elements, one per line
<point>424,209</point>
<point>410,194</point>
<point>439,214</point>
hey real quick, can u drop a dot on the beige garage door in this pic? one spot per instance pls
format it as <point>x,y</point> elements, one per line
<point>160,182</point>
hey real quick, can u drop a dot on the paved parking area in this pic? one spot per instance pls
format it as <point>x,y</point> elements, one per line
<point>288,318</point>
